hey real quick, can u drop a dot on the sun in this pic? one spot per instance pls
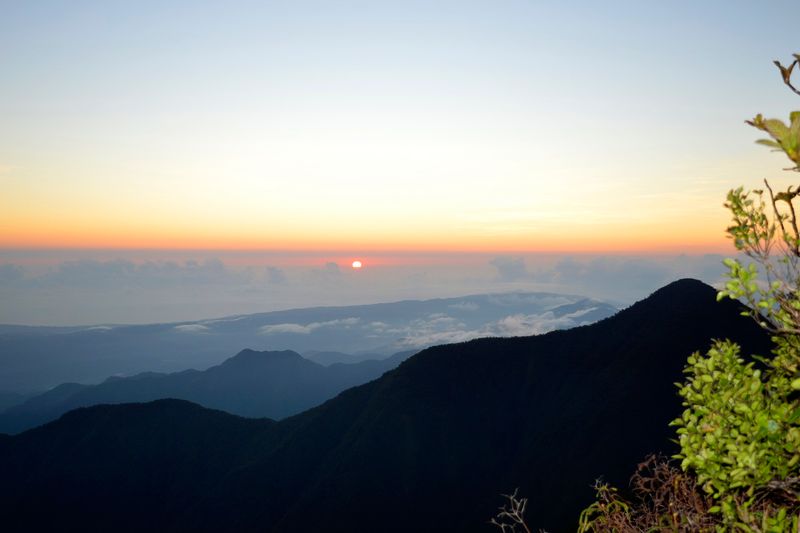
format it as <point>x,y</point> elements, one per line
<point>357,264</point>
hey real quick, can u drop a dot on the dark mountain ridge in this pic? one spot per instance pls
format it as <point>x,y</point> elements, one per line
<point>427,447</point>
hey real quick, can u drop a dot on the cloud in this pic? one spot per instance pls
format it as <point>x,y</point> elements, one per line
<point>329,276</point>
<point>10,273</point>
<point>619,278</point>
<point>464,306</point>
<point>351,321</point>
<point>83,291</point>
<point>522,325</point>
<point>634,272</point>
<point>165,287</point>
<point>273,329</point>
<point>148,274</point>
<point>437,320</point>
<point>510,268</point>
<point>275,275</point>
<point>423,339</point>
<point>191,328</point>
<point>442,329</point>
<point>226,319</point>
<point>626,278</point>
<point>539,300</point>
<point>436,328</point>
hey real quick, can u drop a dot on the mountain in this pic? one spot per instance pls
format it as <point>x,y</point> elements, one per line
<point>35,359</point>
<point>429,446</point>
<point>255,384</point>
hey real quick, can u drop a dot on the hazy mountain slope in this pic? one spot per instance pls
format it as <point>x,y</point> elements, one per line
<point>427,447</point>
<point>36,359</point>
<point>255,384</point>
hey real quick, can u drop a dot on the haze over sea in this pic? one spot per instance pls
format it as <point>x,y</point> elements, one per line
<point>81,287</point>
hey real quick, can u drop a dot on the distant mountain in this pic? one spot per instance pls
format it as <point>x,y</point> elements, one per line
<point>427,447</point>
<point>39,358</point>
<point>254,384</point>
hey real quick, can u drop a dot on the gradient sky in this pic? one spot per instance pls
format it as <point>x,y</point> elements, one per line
<point>474,126</point>
<point>182,160</point>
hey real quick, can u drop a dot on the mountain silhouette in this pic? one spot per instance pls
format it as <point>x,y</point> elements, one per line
<point>429,446</point>
<point>254,384</point>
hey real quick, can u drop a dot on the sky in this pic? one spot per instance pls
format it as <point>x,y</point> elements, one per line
<point>443,143</point>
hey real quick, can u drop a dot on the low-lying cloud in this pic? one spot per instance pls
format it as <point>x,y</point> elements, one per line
<point>191,328</point>
<point>510,268</point>
<point>618,278</point>
<point>442,329</point>
<point>465,306</point>
<point>305,329</point>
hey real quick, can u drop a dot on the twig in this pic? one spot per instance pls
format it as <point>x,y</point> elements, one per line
<point>786,72</point>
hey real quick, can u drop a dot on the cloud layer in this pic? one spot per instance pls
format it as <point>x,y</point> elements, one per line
<point>91,290</point>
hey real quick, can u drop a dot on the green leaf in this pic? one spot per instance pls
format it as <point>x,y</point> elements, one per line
<point>768,142</point>
<point>776,128</point>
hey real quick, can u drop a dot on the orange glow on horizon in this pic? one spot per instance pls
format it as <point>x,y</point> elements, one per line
<point>84,231</point>
<point>631,240</point>
<point>465,244</point>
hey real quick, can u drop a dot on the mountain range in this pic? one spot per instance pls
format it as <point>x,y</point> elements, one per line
<point>429,446</point>
<point>35,359</point>
<point>254,384</point>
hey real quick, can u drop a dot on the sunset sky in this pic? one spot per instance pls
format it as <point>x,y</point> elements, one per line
<point>345,129</point>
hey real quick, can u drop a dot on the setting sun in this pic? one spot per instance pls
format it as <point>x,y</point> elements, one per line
<point>357,264</point>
